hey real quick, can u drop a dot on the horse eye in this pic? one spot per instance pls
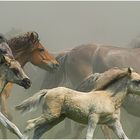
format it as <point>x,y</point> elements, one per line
<point>16,71</point>
<point>41,49</point>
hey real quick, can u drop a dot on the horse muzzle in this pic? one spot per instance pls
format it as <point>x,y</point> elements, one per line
<point>26,83</point>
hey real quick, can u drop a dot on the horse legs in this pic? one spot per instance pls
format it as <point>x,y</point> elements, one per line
<point>92,122</point>
<point>9,125</point>
<point>43,119</point>
<point>41,129</point>
<point>117,129</point>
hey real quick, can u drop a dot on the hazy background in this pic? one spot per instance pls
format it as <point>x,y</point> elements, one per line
<point>63,25</point>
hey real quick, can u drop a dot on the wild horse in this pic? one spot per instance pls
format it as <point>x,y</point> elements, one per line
<point>79,62</point>
<point>99,106</point>
<point>27,48</point>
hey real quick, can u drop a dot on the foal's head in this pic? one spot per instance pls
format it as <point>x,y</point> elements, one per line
<point>134,83</point>
<point>11,71</point>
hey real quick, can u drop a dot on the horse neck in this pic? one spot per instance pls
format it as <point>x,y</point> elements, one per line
<point>21,56</point>
<point>20,47</point>
<point>3,81</point>
<point>119,91</point>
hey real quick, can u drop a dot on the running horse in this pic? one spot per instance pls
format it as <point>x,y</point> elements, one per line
<point>99,106</point>
<point>27,48</point>
<point>10,71</point>
<point>81,61</point>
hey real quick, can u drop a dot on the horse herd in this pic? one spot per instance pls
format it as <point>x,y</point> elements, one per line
<point>87,84</point>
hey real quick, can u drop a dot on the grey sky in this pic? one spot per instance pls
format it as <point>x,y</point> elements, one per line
<point>68,24</point>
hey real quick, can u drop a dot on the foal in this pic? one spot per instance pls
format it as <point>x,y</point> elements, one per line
<point>92,108</point>
<point>8,74</point>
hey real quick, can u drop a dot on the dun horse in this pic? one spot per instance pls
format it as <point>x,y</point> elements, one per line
<point>79,62</point>
<point>92,108</point>
<point>10,71</point>
<point>27,48</point>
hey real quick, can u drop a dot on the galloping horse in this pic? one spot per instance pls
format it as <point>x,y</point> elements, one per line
<point>91,108</point>
<point>79,62</point>
<point>27,48</point>
<point>10,71</point>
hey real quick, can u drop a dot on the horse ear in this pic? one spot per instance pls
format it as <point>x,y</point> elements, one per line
<point>130,70</point>
<point>34,37</point>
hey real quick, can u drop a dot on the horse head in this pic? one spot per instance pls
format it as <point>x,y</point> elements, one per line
<point>40,55</point>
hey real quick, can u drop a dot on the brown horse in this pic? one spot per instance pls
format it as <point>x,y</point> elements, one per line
<point>27,48</point>
<point>80,62</point>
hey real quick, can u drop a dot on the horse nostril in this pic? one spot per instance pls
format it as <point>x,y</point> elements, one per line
<point>27,81</point>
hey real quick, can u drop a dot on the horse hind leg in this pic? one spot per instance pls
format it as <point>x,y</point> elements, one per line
<point>33,123</point>
<point>41,129</point>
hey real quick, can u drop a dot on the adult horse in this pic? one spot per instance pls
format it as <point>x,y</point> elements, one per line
<point>27,48</point>
<point>78,63</point>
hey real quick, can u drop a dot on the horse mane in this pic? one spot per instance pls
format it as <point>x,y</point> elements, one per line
<point>21,42</point>
<point>99,81</point>
<point>4,47</point>
<point>109,77</point>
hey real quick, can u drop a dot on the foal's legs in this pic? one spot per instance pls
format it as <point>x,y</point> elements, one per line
<point>92,122</point>
<point>34,123</point>
<point>42,128</point>
<point>117,129</point>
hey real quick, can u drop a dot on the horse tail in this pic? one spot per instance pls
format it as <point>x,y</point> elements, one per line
<point>32,102</point>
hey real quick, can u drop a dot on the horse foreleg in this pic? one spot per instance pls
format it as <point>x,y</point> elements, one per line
<point>106,131</point>
<point>92,122</point>
<point>42,128</point>
<point>9,125</point>
<point>117,129</point>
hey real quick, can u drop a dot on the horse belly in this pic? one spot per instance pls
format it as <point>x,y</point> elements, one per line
<point>77,115</point>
